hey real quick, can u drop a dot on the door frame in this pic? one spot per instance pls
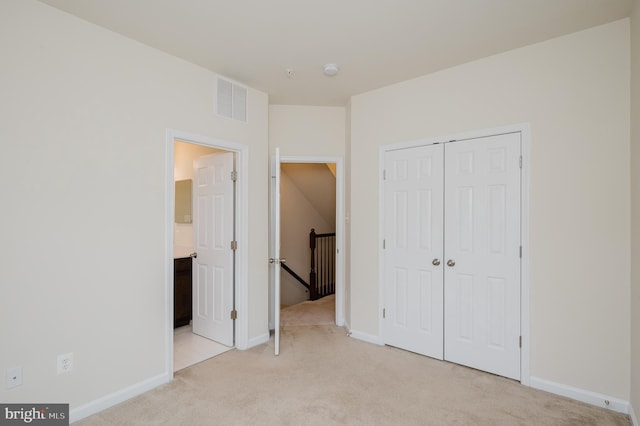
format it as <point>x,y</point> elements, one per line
<point>525,272</point>
<point>242,233</point>
<point>340,227</point>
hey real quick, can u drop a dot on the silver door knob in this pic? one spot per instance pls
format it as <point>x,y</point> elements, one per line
<point>451,263</point>
<point>436,262</point>
<point>272,260</point>
<point>194,254</point>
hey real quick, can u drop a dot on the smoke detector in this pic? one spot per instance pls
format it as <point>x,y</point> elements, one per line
<point>330,69</point>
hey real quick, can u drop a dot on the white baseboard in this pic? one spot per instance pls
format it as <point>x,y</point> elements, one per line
<point>370,338</point>
<point>263,338</point>
<point>632,414</point>
<point>593,398</point>
<point>110,400</point>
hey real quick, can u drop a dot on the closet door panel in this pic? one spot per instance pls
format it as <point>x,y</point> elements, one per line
<point>482,254</point>
<point>413,227</point>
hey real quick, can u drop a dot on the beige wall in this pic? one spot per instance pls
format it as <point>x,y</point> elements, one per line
<point>574,92</point>
<point>635,207</point>
<point>307,130</point>
<point>347,221</point>
<point>83,253</point>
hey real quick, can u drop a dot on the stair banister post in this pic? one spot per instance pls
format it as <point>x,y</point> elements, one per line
<point>313,284</point>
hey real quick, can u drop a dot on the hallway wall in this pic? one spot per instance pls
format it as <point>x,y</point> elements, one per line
<point>307,130</point>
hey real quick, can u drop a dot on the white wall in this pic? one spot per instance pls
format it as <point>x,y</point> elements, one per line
<point>82,265</point>
<point>635,207</point>
<point>307,130</point>
<point>347,222</point>
<point>574,91</point>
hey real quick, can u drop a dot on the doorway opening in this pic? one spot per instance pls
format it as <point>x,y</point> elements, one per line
<point>192,344</point>
<point>312,206</point>
<point>206,238</point>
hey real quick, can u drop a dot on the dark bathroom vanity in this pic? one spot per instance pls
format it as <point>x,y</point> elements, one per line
<point>181,291</point>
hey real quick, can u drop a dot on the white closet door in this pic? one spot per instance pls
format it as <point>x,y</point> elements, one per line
<point>482,254</point>
<point>413,203</point>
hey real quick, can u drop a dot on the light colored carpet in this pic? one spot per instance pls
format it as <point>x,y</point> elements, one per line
<point>317,312</point>
<point>324,377</point>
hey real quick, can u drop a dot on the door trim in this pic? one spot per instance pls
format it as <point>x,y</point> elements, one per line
<point>525,131</point>
<point>339,162</point>
<point>242,233</point>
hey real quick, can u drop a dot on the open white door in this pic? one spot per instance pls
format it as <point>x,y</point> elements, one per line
<point>275,246</point>
<point>213,274</point>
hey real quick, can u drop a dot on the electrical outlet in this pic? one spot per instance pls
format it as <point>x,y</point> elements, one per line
<point>65,363</point>
<point>14,377</point>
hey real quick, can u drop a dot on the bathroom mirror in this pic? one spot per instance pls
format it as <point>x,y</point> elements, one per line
<point>183,201</point>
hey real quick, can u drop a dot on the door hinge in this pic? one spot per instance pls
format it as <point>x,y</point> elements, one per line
<point>521,161</point>
<point>520,252</point>
<point>234,314</point>
<point>520,341</point>
<point>234,245</point>
<point>384,244</point>
<point>384,313</point>
<point>234,176</point>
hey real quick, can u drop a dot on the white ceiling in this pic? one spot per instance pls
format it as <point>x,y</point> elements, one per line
<point>374,42</point>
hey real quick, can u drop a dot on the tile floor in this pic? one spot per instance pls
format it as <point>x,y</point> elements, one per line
<point>190,349</point>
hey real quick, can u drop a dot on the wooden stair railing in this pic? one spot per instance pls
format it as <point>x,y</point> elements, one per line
<point>323,264</point>
<point>294,275</point>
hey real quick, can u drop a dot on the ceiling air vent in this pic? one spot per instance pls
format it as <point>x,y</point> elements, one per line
<point>232,100</point>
